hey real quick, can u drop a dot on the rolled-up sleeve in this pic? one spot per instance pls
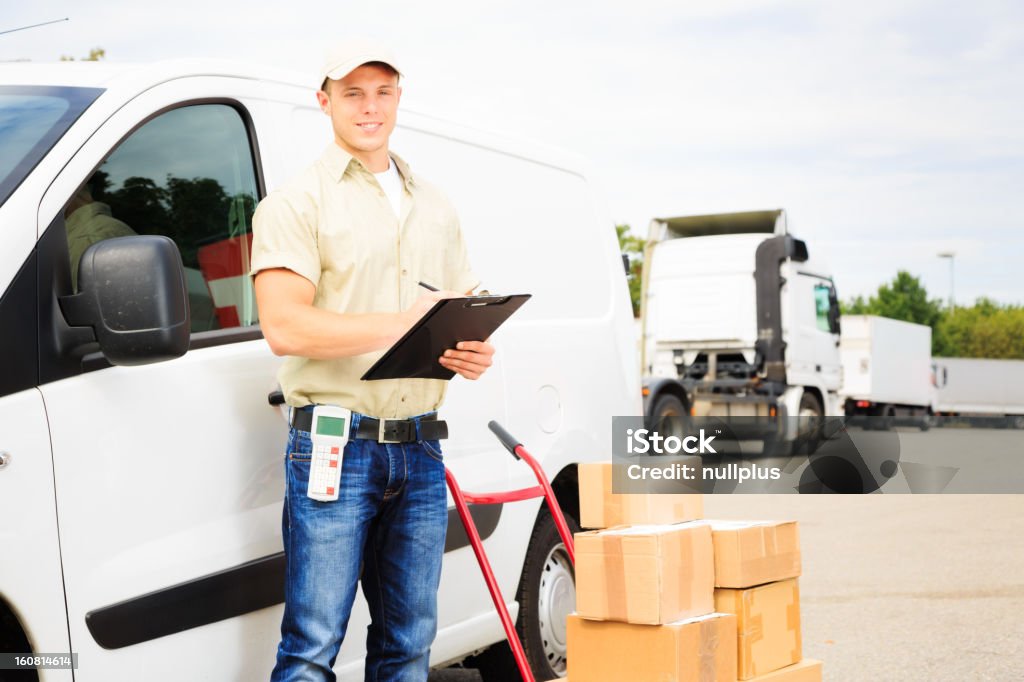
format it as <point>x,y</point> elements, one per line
<point>284,235</point>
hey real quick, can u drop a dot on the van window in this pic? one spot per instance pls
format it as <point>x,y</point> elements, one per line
<point>187,174</point>
<point>32,119</point>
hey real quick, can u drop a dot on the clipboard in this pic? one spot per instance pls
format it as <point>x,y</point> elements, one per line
<point>470,318</point>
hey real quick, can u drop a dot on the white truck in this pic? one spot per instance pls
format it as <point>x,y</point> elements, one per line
<point>984,391</point>
<point>737,320</point>
<point>141,466</point>
<point>887,374</point>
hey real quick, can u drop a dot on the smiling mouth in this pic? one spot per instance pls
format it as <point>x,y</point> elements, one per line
<point>369,127</point>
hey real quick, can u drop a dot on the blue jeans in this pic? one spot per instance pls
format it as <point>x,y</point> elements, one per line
<point>386,528</point>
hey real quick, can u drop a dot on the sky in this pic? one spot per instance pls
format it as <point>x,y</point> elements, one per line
<point>889,130</point>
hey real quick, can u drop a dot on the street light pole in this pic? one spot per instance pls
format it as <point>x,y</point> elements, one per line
<point>951,255</point>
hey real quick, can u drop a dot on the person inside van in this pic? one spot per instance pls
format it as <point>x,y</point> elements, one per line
<point>89,221</point>
<point>338,254</point>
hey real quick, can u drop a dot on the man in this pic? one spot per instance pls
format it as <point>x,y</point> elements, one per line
<point>89,221</point>
<point>338,254</point>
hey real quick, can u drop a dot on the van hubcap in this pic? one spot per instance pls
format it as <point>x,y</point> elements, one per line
<point>557,599</point>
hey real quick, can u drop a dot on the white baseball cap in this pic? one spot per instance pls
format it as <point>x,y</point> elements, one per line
<point>347,56</point>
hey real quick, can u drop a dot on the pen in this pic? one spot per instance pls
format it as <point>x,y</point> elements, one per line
<point>428,287</point>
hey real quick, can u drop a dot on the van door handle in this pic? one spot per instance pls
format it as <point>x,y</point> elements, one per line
<point>5,459</point>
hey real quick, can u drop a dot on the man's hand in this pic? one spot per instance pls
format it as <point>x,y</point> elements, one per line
<point>469,358</point>
<point>423,304</point>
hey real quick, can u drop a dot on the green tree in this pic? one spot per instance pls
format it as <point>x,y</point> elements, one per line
<point>95,55</point>
<point>984,330</point>
<point>905,299</point>
<point>633,247</point>
<point>855,306</point>
<point>902,299</point>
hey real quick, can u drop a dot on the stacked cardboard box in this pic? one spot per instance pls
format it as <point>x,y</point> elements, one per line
<point>600,508</point>
<point>661,595</point>
<point>645,590</point>
<point>645,574</point>
<point>756,568</point>
<point>700,649</point>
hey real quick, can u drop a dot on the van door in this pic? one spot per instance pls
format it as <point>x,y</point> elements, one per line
<point>168,476</point>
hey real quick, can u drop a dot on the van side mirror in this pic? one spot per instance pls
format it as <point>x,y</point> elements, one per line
<point>625,263</point>
<point>131,291</point>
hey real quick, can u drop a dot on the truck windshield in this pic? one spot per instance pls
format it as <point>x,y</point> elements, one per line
<point>32,119</point>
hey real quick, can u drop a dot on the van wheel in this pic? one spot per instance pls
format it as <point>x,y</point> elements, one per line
<point>547,595</point>
<point>12,638</point>
<point>669,416</point>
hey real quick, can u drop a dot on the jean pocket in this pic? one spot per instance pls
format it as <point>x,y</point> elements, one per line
<point>433,448</point>
<point>300,445</point>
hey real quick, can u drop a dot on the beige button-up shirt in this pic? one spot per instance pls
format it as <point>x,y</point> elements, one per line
<point>334,226</point>
<point>89,224</point>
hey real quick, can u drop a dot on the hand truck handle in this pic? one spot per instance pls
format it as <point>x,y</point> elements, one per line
<point>507,439</point>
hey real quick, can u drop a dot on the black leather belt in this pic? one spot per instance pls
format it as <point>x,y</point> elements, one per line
<point>393,431</point>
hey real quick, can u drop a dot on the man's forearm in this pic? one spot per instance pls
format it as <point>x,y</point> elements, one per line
<point>309,332</point>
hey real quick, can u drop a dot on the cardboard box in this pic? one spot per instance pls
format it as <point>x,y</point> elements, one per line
<point>694,650</point>
<point>600,508</point>
<point>645,574</point>
<point>768,618</point>
<point>749,553</point>
<point>807,670</point>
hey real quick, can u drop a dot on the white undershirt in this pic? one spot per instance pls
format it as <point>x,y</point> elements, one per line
<point>391,182</point>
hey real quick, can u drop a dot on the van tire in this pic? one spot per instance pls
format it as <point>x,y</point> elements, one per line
<point>13,639</point>
<point>543,604</point>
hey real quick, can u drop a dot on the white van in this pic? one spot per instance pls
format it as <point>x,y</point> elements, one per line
<point>141,485</point>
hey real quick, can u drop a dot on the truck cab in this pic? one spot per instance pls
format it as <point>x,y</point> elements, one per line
<point>738,321</point>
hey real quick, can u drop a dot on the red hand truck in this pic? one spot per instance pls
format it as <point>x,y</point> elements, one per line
<point>463,499</point>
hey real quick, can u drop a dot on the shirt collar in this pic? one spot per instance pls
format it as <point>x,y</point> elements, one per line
<point>337,161</point>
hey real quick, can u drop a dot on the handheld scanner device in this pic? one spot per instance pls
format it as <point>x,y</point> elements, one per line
<point>329,433</point>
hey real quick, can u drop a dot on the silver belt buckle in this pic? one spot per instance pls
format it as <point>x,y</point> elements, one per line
<point>380,432</point>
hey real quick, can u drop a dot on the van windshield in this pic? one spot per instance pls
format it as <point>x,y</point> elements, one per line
<point>32,119</point>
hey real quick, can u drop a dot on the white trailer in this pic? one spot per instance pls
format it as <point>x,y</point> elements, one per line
<point>886,369</point>
<point>980,387</point>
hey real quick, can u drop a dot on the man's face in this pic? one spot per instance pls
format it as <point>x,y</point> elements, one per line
<point>363,106</point>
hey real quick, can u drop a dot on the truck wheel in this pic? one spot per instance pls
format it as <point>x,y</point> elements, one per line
<point>1017,422</point>
<point>810,423</point>
<point>888,418</point>
<point>669,416</point>
<point>547,595</point>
